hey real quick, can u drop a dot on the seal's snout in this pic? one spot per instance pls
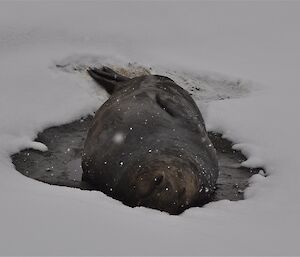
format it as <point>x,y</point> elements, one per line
<point>165,186</point>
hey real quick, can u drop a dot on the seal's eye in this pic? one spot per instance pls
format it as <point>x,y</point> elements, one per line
<point>158,180</point>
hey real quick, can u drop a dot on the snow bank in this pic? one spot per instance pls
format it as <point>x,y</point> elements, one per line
<point>256,41</point>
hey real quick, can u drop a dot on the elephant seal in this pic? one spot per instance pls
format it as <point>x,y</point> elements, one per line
<point>148,145</point>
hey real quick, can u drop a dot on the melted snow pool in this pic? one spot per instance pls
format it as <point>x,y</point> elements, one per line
<point>61,164</point>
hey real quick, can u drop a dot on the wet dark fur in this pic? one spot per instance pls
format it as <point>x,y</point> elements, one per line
<point>148,144</point>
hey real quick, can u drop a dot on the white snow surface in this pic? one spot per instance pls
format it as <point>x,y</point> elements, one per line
<point>251,41</point>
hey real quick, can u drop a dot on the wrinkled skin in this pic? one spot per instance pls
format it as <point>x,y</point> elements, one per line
<point>148,146</point>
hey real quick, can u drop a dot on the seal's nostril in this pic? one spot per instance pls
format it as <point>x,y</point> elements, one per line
<point>158,179</point>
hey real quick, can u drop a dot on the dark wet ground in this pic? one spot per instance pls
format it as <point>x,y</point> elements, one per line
<point>60,165</point>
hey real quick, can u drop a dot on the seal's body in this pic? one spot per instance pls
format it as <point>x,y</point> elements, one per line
<point>148,145</point>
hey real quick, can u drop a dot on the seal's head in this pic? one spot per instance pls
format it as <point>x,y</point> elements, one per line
<point>169,185</point>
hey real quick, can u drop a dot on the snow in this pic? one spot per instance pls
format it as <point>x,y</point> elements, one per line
<point>251,48</point>
<point>39,146</point>
<point>118,138</point>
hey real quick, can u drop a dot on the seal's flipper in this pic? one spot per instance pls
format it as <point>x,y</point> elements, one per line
<point>172,107</point>
<point>177,109</point>
<point>118,77</point>
<point>107,78</point>
<point>109,85</point>
<point>166,105</point>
